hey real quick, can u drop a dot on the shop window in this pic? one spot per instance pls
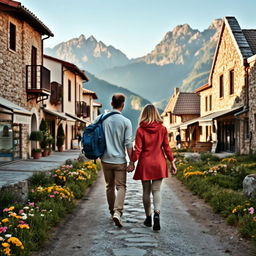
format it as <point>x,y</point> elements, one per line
<point>6,142</point>
<point>12,37</point>
<point>231,82</point>
<point>69,90</point>
<point>221,87</point>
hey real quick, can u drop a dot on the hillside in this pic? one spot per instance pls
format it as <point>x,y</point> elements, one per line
<point>105,90</point>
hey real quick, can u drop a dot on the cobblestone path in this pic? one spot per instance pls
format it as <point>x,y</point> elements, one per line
<point>91,232</point>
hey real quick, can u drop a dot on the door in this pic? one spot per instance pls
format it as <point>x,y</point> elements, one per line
<point>33,68</point>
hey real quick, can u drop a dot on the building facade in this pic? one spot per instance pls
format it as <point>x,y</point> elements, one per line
<point>23,78</point>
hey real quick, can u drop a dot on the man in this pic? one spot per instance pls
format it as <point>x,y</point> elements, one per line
<point>178,140</point>
<point>118,134</point>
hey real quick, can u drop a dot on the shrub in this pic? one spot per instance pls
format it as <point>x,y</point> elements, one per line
<point>60,136</point>
<point>209,157</point>
<point>40,179</point>
<point>36,136</point>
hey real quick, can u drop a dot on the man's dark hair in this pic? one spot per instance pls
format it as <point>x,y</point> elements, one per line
<point>117,100</point>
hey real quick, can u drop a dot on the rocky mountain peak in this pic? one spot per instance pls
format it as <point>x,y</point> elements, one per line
<point>92,38</point>
<point>215,24</point>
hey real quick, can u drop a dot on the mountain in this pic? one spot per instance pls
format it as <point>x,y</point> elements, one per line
<point>89,54</point>
<point>182,59</point>
<point>104,90</point>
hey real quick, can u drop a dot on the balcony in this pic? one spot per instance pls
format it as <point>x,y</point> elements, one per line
<point>82,110</point>
<point>56,93</point>
<point>38,81</point>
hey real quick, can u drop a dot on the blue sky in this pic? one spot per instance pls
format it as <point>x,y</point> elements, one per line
<point>134,26</point>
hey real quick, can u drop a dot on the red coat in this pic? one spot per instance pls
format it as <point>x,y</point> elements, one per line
<point>151,143</point>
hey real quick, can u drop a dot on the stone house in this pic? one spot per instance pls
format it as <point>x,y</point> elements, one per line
<point>182,107</point>
<point>69,103</point>
<point>226,106</point>
<point>23,78</point>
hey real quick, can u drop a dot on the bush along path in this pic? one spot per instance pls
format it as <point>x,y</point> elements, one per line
<point>23,228</point>
<point>220,183</point>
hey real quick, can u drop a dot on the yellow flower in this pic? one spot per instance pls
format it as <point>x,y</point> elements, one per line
<point>22,226</point>
<point>5,245</point>
<point>7,251</point>
<point>15,241</point>
<point>5,220</point>
<point>11,208</point>
<point>234,210</point>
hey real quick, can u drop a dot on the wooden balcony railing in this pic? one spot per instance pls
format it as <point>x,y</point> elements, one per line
<point>82,109</point>
<point>38,80</point>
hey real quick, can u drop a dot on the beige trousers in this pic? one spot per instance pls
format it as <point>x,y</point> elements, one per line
<point>115,177</point>
<point>151,186</point>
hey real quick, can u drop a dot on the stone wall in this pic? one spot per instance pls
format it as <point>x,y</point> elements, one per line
<point>252,102</point>
<point>13,67</point>
<point>228,58</point>
<point>203,94</point>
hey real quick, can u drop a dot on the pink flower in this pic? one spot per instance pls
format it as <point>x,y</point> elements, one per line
<point>32,204</point>
<point>32,190</point>
<point>56,192</point>
<point>3,229</point>
<point>22,222</point>
<point>51,196</point>
<point>251,210</point>
<point>21,211</point>
<point>5,209</point>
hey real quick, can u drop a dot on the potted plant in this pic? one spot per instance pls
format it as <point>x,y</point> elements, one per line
<point>44,142</point>
<point>37,137</point>
<point>60,138</point>
<point>36,153</point>
<point>50,142</point>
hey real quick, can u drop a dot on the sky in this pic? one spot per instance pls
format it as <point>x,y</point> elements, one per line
<point>134,26</point>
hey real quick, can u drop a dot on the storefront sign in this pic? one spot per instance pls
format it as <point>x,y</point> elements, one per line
<point>21,119</point>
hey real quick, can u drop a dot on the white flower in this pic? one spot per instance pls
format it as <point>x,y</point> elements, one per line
<point>26,207</point>
<point>8,235</point>
<point>42,215</point>
<point>1,238</point>
<point>50,211</point>
<point>30,214</point>
<point>24,217</point>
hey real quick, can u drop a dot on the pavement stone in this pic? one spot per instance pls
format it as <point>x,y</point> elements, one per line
<point>14,172</point>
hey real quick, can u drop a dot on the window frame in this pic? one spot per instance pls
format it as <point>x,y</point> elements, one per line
<point>69,90</point>
<point>12,40</point>
<point>221,86</point>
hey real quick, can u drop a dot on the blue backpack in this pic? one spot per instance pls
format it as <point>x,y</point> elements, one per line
<point>93,140</point>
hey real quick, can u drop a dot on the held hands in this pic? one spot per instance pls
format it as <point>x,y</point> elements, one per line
<point>130,167</point>
<point>173,168</point>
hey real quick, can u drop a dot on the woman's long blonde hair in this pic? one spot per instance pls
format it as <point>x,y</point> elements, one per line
<point>150,114</point>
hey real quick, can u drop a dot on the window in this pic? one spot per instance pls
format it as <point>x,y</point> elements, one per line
<point>231,82</point>
<point>170,118</point>
<point>69,90</point>
<point>206,133</point>
<point>221,87</point>
<point>12,37</point>
<point>206,104</point>
<point>255,122</point>
<point>210,102</point>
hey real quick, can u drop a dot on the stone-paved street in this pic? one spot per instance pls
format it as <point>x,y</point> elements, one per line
<point>90,230</point>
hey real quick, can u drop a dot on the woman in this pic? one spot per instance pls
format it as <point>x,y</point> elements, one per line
<point>151,143</point>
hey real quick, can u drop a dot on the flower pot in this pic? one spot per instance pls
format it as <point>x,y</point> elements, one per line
<point>45,153</point>
<point>37,155</point>
<point>60,148</point>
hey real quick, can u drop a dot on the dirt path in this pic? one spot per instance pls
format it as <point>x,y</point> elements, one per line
<point>188,227</point>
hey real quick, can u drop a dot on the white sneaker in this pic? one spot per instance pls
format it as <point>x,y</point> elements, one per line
<point>117,219</point>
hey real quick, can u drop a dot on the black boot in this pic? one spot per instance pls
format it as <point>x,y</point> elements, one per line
<point>148,221</point>
<point>156,225</point>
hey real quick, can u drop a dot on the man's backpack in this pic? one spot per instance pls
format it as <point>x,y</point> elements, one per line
<point>93,140</point>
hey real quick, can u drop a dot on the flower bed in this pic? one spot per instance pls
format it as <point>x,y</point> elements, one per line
<point>219,182</point>
<point>23,228</point>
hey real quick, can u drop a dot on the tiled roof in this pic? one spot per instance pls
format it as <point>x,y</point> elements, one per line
<point>239,36</point>
<point>86,91</point>
<point>25,14</point>
<point>187,103</point>
<point>202,88</point>
<point>250,35</point>
<point>69,66</point>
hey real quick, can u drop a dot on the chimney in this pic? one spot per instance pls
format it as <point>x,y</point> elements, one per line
<point>176,91</point>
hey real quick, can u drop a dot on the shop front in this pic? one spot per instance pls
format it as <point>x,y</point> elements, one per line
<point>14,122</point>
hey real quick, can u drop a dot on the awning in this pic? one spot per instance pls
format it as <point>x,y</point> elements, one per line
<point>77,118</point>
<point>209,118</point>
<point>185,125</point>
<point>20,114</point>
<point>59,115</point>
